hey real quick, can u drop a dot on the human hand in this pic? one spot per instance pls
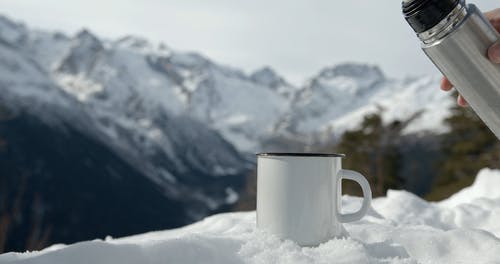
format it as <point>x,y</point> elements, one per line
<point>493,53</point>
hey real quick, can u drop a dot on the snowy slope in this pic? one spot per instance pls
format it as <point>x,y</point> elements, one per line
<point>134,77</point>
<point>339,97</point>
<point>86,84</point>
<point>400,228</point>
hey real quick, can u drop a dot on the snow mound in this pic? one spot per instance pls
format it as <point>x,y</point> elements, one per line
<point>485,186</point>
<point>400,228</point>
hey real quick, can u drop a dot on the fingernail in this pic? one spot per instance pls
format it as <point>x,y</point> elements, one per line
<point>445,84</point>
<point>461,101</point>
<point>494,52</point>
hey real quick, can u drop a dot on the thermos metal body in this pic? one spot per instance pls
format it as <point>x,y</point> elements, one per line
<point>461,55</point>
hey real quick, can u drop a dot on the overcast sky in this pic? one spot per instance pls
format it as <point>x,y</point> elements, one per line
<point>296,37</point>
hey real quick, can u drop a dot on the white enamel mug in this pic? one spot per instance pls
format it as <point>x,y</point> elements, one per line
<point>299,196</point>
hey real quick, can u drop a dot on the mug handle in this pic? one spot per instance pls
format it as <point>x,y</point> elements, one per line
<point>367,195</point>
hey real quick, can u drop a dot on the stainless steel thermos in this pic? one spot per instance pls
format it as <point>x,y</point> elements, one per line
<point>456,38</point>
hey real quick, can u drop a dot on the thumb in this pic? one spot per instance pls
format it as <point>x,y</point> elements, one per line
<point>494,52</point>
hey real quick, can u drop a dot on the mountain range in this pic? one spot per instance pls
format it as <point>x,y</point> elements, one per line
<point>127,117</point>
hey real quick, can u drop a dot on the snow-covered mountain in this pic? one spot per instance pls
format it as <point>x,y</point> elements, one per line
<point>125,105</point>
<point>181,120</point>
<point>132,78</point>
<point>172,114</point>
<point>113,93</point>
<point>338,98</point>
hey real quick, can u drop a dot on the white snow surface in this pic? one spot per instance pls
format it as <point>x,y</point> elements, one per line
<point>400,228</point>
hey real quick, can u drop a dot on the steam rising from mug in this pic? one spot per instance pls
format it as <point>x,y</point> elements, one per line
<point>456,38</point>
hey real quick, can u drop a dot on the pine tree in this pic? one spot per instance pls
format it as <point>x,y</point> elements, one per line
<point>468,147</point>
<point>373,150</point>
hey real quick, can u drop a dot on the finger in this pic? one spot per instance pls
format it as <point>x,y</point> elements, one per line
<point>494,17</point>
<point>492,13</point>
<point>446,84</point>
<point>461,101</point>
<point>494,52</point>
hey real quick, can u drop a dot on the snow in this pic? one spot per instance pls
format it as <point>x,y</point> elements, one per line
<point>79,86</point>
<point>131,78</point>
<point>124,94</point>
<point>399,228</point>
<point>232,196</point>
<point>485,186</point>
<point>340,97</point>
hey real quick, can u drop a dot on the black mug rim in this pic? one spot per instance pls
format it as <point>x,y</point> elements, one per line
<point>296,154</point>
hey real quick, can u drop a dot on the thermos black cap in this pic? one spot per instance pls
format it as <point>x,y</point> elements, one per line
<point>425,14</point>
